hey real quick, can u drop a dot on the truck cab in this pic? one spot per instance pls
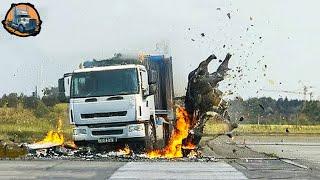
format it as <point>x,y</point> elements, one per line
<point>116,104</point>
<point>22,21</point>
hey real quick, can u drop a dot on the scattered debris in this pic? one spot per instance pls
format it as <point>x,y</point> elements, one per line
<point>192,39</point>
<point>234,151</point>
<point>229,15</point>
<point>202,34</point>
<point>229,135</point>
<point>192,154</point>
<point>218,9</point>
<point>10,149</point>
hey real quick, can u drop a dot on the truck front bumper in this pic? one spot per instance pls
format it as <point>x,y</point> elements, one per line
<point>85,133</point>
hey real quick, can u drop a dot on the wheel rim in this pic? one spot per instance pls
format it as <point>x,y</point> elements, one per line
<point>21,28</point>
<point>151,134</point>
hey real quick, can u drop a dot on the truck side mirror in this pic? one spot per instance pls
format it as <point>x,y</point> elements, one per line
<point>152,89</point>
<point>144,83</point>
<point>152,77</point>
<point>61,85</point>
<point>62,96</point>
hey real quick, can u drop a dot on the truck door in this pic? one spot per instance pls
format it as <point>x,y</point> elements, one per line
<point>145,109</point>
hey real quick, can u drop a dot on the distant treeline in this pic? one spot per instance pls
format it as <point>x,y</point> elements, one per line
<point>40,106</point>
<point>266,110</point>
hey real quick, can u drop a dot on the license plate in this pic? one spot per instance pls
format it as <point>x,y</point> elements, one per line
<point>107,140</point>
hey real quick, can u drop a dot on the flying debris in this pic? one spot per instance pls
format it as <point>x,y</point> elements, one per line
<point>204,99</point>
<point>229,16</point>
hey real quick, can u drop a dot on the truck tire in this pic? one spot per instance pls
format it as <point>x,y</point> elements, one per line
<point>9,23</point>
<point>21,28</point>
<point>150,137</point>
<point>81,143</point>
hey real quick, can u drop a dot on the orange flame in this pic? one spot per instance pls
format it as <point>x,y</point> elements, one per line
<point>181,131</point>
<point>189,145</point>
<point>54,137</point>
<point>125,151</point>
<point>70,145</point>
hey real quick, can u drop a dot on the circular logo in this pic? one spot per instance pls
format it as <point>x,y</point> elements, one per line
<point>22,20</point>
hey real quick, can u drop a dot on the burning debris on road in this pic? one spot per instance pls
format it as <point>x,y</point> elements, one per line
<point>174,148</point>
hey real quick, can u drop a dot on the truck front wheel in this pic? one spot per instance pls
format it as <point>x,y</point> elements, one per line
<point>21,28</point>
<point>150,137</point>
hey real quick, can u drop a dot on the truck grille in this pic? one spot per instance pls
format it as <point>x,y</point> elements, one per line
<point>108,114</point>
<point>32,23</point>
<point>107,132</point>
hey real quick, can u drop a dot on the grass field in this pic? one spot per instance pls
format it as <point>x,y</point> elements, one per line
<point>212,128</point>
<point>21,125</point>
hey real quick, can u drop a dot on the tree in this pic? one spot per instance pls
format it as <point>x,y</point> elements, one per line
<point>30,102</point>
<point>42,110</point>
<point>4,101</point>
<point>13,100</point>
<point>50,96</point>
<point>312,110</point>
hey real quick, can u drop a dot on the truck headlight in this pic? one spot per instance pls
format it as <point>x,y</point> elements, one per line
<point>79,131</point>
<point>136,127</point>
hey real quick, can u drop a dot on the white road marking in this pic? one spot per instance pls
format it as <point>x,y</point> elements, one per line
<point>177,170</point>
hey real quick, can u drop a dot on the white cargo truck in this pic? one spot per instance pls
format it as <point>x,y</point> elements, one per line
<point>121,101</point>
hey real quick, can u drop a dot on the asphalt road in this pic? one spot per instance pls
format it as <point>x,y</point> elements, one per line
<point>302,150</point>
<point>257,159</point>
<point>52,169</point>
<point>269,157</point>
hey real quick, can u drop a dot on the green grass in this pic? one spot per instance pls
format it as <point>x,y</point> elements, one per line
<point>216,128</point>
<point>21,125</point>
<point>278,129</point>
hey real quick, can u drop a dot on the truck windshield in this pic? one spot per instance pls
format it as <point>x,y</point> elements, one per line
<point>105,83</point>
<point>23,16</point>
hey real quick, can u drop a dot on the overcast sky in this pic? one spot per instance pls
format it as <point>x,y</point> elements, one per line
<point>282,34</point>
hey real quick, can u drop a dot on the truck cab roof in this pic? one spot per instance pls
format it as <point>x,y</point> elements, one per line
<point>20,12</point>
<point>104,68</point>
